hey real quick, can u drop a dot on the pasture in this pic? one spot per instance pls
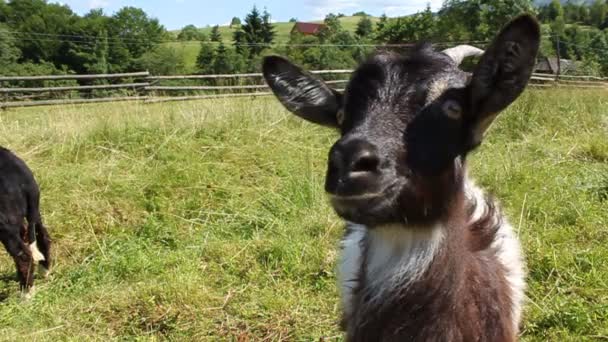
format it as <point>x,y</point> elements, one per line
<point>207,220</point>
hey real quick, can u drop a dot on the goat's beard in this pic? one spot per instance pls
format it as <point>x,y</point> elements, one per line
<point>371,211</point>
<point>399,206</point>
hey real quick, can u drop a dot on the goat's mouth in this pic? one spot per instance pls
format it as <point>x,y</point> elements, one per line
<point>367,207</point>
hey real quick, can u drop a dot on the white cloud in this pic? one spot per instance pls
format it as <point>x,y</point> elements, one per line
<point>392,8</point>
<point>98,4</point>
<point>323,7</point>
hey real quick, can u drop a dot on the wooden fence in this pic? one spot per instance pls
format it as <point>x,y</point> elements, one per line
<point>141,86</point>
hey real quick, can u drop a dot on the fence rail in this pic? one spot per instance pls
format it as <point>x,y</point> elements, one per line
<point>141,86</point>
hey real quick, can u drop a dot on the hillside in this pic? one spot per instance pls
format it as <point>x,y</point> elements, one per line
<point>282,29</point>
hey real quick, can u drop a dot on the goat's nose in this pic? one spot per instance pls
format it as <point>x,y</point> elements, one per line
<point>366,160</point>
<point>351,162</point>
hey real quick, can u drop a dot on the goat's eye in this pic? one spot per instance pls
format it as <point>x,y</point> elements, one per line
<point>340,116</point>
<point>452,109</point>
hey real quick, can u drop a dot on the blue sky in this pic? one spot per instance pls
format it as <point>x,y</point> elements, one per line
<point>175,14</point>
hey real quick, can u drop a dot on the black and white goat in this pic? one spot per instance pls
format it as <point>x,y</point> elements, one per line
<point>426,256</point>
<point>26,241</point>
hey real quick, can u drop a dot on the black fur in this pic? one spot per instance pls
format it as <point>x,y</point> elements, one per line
<point>20,220</point>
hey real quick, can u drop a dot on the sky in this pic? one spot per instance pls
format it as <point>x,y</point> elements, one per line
<point>175,14</point>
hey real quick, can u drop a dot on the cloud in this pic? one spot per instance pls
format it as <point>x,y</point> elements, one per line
<point>98,4</point>
<point>323,7</point>
<point>392,8</point>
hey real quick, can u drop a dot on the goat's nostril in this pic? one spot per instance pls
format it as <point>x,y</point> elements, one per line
<point>366,163</point>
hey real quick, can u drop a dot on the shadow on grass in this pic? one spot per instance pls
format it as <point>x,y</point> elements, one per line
<point>4,290</point>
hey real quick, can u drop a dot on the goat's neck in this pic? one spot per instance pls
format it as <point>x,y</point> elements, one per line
<point>398,256</point>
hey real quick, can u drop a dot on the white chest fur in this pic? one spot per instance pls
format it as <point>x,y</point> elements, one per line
<point>395,256</point>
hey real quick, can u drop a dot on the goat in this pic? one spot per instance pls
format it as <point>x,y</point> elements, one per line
<point>27,242</point>
<point>426,255</point>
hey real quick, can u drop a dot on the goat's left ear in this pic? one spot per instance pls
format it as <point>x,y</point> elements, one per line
<point>502,73</point>
<point>301,93</point>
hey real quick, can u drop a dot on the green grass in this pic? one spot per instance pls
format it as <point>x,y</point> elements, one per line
<point>207,220</point>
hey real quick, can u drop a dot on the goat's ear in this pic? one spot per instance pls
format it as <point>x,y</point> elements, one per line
<point>502,73</point>
<point>301,93</point>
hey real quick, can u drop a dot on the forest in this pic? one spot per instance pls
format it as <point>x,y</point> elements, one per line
<point>38,37</point>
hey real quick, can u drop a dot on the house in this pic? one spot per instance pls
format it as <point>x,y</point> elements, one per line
<point>307,29</point>
<point>548,65</point>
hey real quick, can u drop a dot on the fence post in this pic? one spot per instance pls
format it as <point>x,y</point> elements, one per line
<point>559,61</point>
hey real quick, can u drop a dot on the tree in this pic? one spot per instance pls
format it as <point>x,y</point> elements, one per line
<point>598,13</point>
<point>382,22</point>
<point>600,45</point>
<point>331,28</point>
<point>254,34</point>
<point>30,18</point>
<point>215,34</point>
<point>99,63</point>
<point>365,27</point>
<point>189,33</point>
<point>9,53</point>
<point>293,20</point>
<point>205,58</point>
<point>555,10</point>
<point>418,27</point>
<point>226,61</point>
<point>162,60</point>
<point>558,26</point>
<point>360,14</point>
<point>235,22</point>
<point>136,32</point>
<point>268,32</point>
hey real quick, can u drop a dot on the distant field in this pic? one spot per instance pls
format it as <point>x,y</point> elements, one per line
<point>284,29</point>
<point>191,49</point>
<point>207,220</point>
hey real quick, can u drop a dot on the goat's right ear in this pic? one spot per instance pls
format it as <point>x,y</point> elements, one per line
<point>503,72</point>
<point>301,93</point>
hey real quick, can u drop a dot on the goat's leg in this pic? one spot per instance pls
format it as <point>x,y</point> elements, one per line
<point>21,254</point>
<point>43,240</point>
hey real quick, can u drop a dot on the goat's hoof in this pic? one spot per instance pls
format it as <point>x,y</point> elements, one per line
<point>44,272</point>
<point>28,293</point>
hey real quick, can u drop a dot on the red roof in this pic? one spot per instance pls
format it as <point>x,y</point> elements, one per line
<point>308,28</point>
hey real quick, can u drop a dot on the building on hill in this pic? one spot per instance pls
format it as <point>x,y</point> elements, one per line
<point>307,29</point>
<point>548,65</point>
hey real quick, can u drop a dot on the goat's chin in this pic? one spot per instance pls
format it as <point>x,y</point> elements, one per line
<point>369,209</point>
<point>397,205</point>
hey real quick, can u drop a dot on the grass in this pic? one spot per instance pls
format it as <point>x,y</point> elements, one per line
<point>207,220</point>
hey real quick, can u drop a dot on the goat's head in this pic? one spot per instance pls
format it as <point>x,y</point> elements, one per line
<point>407,122</point>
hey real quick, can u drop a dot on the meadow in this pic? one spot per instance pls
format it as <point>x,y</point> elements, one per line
<point>207,220</point>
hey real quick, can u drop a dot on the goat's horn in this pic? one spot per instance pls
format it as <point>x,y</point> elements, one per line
<point>460,52</point>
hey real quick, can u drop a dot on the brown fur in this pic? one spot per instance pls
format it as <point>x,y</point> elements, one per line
<point>463,296</point>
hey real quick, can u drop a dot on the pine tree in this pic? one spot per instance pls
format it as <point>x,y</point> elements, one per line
<point>215,34</point>
<point>221,64</point>
<point>268,32</point>
<point>205,58</point>
<point>255,34</point>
